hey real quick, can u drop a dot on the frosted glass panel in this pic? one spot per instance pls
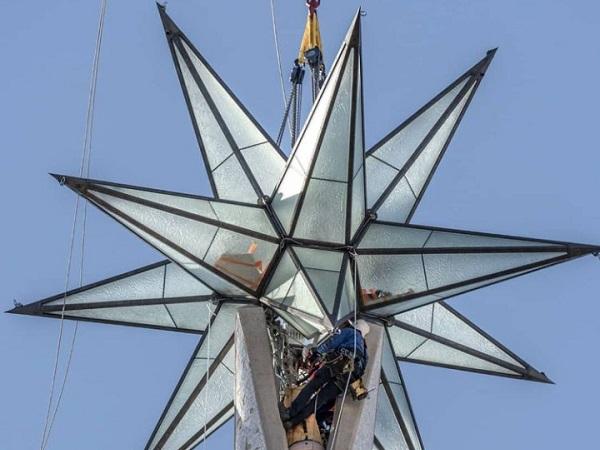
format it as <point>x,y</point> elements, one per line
<point>387,428</point>
<point>420,317</point>
<point>319,259</point>
<point>390,236</point>
<point>442,239</point>
<point>266,164</point>
<point>358,201</point>
<point>143,285</point>
<point>398,204</point>
<point>232,182</point>
<point>445,269</point>
<point>403,405</point>
<point>404,341</point>
<point>145,315</point>
<point>179,283</point>
<point>434,352</point>
<point>244,216</point>
<point>348,295</point>
<point>214,142</point>
<point>449,326</point>
<point>326,285</point>
<point>243,130</point>
<point>398,149</point>
<point>334,153</point>
<point>382,276</point>
<point>379,177</point>
<point>191,316</point>
<point>323,215</point>
<point>284,202</point>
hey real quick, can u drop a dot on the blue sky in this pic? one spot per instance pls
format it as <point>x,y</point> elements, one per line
<point>524,161</point>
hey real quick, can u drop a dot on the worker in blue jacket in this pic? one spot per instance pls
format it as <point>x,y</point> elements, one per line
<point>343,360</point>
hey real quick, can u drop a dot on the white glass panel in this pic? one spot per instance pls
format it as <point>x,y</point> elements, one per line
<point>300,325</point>
<point>389,236</point>
<point>301,297</point>
<point>445,269</point>
<point>191,316</point>
<point>215,144</point>
<point>403,405</point>
<point>214,281</point>
<point>241,257</point>
<point>434,352</point>
<point>145,315</point>
<point>143,285</point>
<point>348,296</point>
<point>442,239</point>
<point>215,396</point>
<point>397,150</point>
<point>183,202</point>
<point>390,274</point>
<point>244,217</point>
<point>232,183</point>
<point>226,417</point>
<point>398,204</point>
<point>334,153</point>
<point>266,164</point>
<point>449,326</point>
<point>282,278</point>
<point>191,235</point>
<point>359,145</point>
<point>243,130</point>
<point>405,342</point>
<point>387,429</point>
<point>326,285</point>
<point>405,305</point>
<point>420,317</point>
<point>358,201</point>
<point>379,177</point>
<point>179,283</point>
<point>319,259</point>
<point>286,197</point>
<point>323,215</point>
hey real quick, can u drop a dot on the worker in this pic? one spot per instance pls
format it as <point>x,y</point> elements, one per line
<point>343,358</point>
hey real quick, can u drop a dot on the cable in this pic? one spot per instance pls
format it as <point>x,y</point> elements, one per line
<point>339,417</point>
<point>83,171</point>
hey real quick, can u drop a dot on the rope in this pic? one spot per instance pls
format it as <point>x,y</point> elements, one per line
<point>339,417</point>
<point>83,171</point>
<point>278,53</point>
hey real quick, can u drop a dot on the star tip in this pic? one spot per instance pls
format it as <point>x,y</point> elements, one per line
<point>540,377</point>
<point>492,51</point>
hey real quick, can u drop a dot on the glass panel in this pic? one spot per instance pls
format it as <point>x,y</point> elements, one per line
<point>285,199</point>
<point>405,305</point>
<point>392,236</point>
<point>145,315</point>
<point>398,204</point>
<point>247,217</point>
<point>282,278</point>
<point>379,177</point>
<point>358,201</point>
<point>442,239</point>
<point>212,399</point>
<point>191,235</point>
<point>214,143</point>
<point>319,259</point>
<point>450,326</point>
<point>359,145</point>
<point>333,156</point>
<point>179,283</point>
<point>232,182</point>
<point>226,417</point>
<point>387,429</point>
<point>434,352</point>
<point>389,365</point>
<point>382,276</point>
<point>215,281</point>
<point>139,286</point>
<point>401,400</point>
<point>243,130</point>
<point>302,326</point>
<point>323,215</point>
<point>266,164</point>
<point>445,269</point>
<point>301,297</point>
<point>179,201</point>
<point>221,331</point>
<point>399,148</point>
<point>404,341</point>
<point>348,296</point>
<point>240,257</point>
<point>326,285</point>
<point>191,316</point>
<point>420,317</point>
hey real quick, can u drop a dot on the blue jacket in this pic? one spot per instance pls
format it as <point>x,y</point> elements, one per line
<point>344,338</point>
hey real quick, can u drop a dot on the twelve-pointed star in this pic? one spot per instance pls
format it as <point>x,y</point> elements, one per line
<point>313,237</point>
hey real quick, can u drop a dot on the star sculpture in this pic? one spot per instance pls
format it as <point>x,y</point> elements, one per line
<point>318,238</point>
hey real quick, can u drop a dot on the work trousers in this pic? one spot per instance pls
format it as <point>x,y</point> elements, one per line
<point>320,392</point>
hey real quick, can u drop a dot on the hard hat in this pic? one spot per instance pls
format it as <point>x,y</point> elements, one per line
<point>362,326</point>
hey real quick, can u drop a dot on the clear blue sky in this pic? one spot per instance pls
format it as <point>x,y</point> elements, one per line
<point>525,161</point>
